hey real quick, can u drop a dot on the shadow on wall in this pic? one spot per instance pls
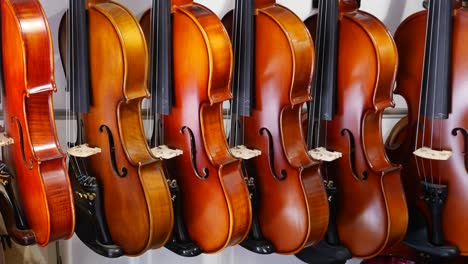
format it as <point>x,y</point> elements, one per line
<point>394,15</point>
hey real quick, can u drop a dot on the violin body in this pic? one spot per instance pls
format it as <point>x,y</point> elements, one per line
<point>448,134</point>
<point>135,191</point>
<point>293,207</point>
<point>370,196</point>
<point>36,159</point>
<point>215,200</point>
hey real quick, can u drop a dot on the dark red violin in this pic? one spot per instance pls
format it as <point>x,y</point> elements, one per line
<point>431,142</point>
<point>36,158</point>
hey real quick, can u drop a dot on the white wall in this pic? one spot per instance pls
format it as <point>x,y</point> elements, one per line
<point>392,12</point>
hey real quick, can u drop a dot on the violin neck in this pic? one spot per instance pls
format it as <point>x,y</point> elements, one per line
<point>323,106</point>
<point>161,57</point>
<point>78,57</point>
<point>243,42</point>
<point>434,101</point>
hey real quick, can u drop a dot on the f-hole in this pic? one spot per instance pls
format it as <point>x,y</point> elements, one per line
<point>193,154</point>
<point>110,139</point>
<point>352,156</point>
<point>271,152</point>
<point>465,139</point>
<point>28,164</point>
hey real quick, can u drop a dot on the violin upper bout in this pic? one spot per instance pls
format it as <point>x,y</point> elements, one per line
<point>130,45</point>
<point>383,49</point>
<point>23,41</point>
<point>279,25</point>
<point>207,34</point>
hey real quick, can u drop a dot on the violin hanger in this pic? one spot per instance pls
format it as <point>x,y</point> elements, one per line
<point>13,218</point>
<point>91,227</point>
<point>328,250</point>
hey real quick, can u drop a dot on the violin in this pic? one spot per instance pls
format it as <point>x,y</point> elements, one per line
<point>240,23</point>
<point>291,198</point>
<point>157,27</point>
<point>345,117</point>
<point>430,141</point>
<point>91,226</point>
<point>135,191</point>
<point>210,179</point>
<point>35,158</point>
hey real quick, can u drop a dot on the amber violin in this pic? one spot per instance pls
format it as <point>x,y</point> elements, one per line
<point>353,85</point>
<point>134,189</point>
<point>91,226</point>
<point>210,179</point>
<point>35,158</point>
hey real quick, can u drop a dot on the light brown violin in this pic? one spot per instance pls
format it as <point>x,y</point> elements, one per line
<point>136,197</point>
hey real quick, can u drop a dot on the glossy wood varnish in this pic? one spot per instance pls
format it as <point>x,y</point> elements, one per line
<point>293,212</point>
<point>215,199</point>
<point>36,159</point>
<point>410,39</point>
<point>137,201</point>
<point>372,212</point>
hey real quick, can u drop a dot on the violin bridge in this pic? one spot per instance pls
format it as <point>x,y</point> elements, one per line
<point>323,154</point>
<point>164,152</point>
<point>5,141</point>
<point>244,153</point>
<point>428,153</point>
<point>83,151</point>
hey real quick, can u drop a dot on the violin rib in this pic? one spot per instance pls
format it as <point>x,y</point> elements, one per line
<point>135,190</point>
<point>36,157</point>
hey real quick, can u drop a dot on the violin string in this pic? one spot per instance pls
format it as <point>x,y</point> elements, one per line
<point>67,94</point>
<point>432,14</point>
<point>233,122</point>
<point>237,63</point>
<point>427,61</point>
<point>322,70</point>
<point>82,5</point>
<point>327,122</point>
<point>312,105</point>
<point>321,38</point>
<point>150,129</point>
<point>434,87</point>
